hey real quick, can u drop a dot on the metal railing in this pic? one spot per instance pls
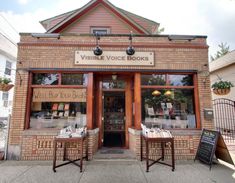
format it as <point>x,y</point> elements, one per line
<point>224,118</point>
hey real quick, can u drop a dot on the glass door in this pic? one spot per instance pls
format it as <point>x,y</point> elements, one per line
<point>114,119</point>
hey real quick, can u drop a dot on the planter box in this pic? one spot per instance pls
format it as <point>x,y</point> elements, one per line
<point>5,87</point>
<point>221,91</point>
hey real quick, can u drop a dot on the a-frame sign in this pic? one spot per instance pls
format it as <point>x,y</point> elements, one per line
<point>212,143</point>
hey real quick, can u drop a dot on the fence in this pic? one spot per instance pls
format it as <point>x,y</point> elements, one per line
<point>224,118</point>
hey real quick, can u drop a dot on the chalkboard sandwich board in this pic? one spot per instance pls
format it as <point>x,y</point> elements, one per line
<point>212,143</point>
<point>207,146</point>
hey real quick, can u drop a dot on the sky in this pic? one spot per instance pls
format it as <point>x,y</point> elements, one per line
<point>213,18</point>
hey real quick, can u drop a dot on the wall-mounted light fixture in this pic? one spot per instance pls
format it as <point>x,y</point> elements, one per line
<point>17,71</point>
<point>205,73</point>
<point>130,50</point>
<point>98,50</point>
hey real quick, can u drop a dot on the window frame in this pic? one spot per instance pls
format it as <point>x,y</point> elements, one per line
<point>6,97</point>
<point>168,86</point>
<point>107,29</point>
<point>31,86</point>
<point>8,68</point>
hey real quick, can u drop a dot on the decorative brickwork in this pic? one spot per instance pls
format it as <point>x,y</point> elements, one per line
<point>185,146</point>
<point>40,147</point>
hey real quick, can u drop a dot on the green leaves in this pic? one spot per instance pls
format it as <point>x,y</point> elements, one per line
<point>224,49</point>
<point>4,80</point>
<point>222,85</point>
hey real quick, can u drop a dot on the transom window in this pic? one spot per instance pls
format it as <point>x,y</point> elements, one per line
<point>45,79</point>
<point>59,78</point>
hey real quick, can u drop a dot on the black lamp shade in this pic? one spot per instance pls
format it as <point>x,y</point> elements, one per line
<point>98,51</point>
<point>130,50</point>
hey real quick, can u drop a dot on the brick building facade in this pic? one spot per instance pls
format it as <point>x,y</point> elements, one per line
<point>111,94</point>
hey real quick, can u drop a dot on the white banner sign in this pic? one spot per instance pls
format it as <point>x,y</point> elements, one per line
<point>114,58</point>
<point>59,95</point>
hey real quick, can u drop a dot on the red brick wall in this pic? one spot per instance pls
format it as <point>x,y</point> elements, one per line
<point>19,108</point>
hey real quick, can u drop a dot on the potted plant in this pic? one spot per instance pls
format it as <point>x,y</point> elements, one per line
<point>4,84</point>
<point>221,87</point>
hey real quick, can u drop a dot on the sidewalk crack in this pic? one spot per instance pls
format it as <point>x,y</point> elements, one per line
<point>82,172</point>
<point>143,173</point>
<point>21,173</point>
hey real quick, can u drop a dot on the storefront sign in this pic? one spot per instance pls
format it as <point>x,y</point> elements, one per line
<point>59,95</point>
<point>114,58</point>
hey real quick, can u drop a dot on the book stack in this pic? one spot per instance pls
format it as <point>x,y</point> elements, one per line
<point>155,132</point>
<point>69,132</point>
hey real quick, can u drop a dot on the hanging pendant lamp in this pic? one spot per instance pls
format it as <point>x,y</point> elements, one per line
<point>167,93</point>
<point>156,93</point>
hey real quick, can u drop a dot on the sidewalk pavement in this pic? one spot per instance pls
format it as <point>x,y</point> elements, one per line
<point>114,171</point>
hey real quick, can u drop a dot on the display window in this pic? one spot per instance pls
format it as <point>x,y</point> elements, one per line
<point>57,115</point>
<point>58,106</point>
<point>169,105</point>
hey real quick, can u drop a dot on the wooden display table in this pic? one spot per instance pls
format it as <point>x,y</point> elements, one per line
<point>163,141</point>
<point>66,141</point>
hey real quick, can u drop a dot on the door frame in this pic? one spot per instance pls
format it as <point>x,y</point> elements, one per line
<point>98,93</point>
